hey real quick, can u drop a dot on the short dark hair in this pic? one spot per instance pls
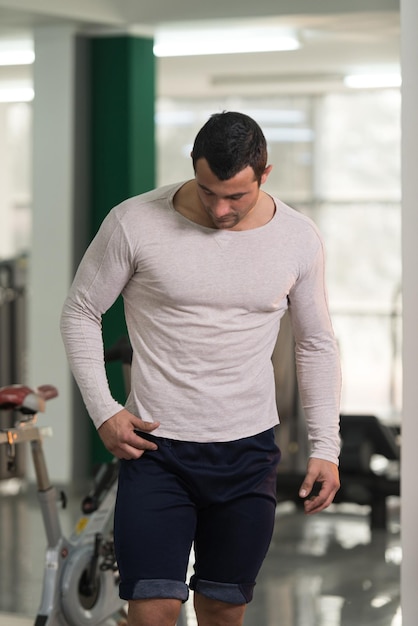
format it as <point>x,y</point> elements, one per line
<point>231,141</point>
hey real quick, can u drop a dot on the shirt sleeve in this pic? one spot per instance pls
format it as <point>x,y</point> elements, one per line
<point>102,274</point>
<point>317,358</point>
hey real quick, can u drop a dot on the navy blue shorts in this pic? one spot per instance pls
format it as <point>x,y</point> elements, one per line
<point>221,497</point>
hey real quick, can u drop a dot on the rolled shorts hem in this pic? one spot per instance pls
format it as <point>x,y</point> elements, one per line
<point>233,593</point>
<point>154,588</point>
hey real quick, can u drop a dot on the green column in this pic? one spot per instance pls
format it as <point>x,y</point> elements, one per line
<point>122,152</point>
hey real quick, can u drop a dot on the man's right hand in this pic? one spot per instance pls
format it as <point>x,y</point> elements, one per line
<point>119,437</point>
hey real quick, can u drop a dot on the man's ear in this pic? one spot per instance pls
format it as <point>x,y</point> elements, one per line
<point>265,174</point>
<point>194,168</point>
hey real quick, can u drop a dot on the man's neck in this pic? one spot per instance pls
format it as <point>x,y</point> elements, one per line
<point>187,203</point>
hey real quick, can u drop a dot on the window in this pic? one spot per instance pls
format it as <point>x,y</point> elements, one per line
<point>336,158</point>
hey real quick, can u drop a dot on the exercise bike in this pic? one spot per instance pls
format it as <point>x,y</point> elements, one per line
<point>80,582</point>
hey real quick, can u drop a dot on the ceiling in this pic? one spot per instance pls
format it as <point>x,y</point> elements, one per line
<point>360,37</point>
<point>332,46</point>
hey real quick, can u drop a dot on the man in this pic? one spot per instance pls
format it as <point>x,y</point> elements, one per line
<point>206,268</point>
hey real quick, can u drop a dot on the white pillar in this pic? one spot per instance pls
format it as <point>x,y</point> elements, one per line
<point>409,59</point>
<point>51,259</point>
<point>7,250</point>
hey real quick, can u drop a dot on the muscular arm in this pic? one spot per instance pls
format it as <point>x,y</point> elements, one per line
<point>101,276</point>
<point>99,280</point>
<point>319,378</point>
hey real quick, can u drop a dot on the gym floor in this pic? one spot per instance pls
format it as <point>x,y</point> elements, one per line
<point>327,570</point>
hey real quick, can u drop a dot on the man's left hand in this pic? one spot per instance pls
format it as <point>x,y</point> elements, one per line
<point>326,474</point>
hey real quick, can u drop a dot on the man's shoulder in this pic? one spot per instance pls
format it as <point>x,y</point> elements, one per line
<point>291,213</point>
<point>161,196</point>
<point>296,235</point>
<point>294,220</point>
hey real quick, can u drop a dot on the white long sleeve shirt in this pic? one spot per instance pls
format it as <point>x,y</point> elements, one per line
<point>203,309</point>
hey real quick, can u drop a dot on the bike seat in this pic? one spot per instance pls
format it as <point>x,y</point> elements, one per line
<point>24,399</point>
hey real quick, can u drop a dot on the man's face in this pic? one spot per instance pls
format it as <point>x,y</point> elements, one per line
<point>227,202</point>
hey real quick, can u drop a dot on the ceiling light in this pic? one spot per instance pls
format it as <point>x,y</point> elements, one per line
<point>16,94</point>
<point>372,81</point>
<point>200,41</point>
<point>16,52</point>
<point>16,57</point>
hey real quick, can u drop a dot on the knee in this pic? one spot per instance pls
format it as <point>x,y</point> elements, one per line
<point>216,613</point>
<point>153,612</point>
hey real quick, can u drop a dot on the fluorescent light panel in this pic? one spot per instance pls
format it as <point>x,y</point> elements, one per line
<point>16,57</point>
<point>201,41</point>
<point>16,52</point>
<point>16,94</point>
<point>187,117</point>
<point>372,81</point>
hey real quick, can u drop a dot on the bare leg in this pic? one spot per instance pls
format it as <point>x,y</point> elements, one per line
<point>153,612</point>
<point>216,613</point>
